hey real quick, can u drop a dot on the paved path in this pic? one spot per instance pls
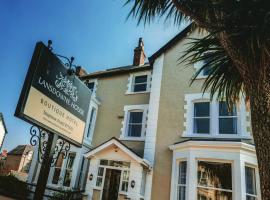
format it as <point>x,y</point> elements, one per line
<point>5,198</point>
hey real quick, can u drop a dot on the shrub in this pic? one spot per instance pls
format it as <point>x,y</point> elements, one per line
<point>13,187</point>
<point>67,195</point>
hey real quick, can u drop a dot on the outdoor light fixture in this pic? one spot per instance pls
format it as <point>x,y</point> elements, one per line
<point>116,148</point>
<point>91,177</point>
<point>132,184</point>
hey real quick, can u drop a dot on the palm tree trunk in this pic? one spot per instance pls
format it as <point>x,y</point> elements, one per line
<point>260,119</point>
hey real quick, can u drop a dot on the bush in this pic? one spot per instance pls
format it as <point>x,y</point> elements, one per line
<point>13,187</point>
<point>67,195</point>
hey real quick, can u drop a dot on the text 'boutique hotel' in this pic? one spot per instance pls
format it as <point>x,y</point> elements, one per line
<point>152,136</point>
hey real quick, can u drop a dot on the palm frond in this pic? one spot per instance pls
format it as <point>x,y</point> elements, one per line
<point>224,80</point>
<point>147,10</point>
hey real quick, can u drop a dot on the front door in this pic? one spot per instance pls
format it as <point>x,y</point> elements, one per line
<point>111,184</point>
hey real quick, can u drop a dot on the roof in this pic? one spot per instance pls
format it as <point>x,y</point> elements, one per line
<point>117,71</point>
<point>120,145</point>
<point>171,43</point>
<point>21,149</point>
<point>213,144</point>
<point>3,121</point>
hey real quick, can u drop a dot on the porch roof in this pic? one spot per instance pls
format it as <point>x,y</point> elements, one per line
<point>120,145</point>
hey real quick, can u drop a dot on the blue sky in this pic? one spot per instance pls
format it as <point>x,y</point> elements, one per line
<point>95,32</point>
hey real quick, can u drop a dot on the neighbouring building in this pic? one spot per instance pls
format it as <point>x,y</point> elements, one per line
<point>19,159</point>
<point>153,136</point>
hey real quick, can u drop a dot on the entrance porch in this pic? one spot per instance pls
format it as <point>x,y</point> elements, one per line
<point>115,173</point>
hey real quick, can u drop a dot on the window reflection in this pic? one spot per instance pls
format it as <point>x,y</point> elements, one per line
<point>214,181</point>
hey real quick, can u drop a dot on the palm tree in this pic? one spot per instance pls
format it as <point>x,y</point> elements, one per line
<point>239,62</point>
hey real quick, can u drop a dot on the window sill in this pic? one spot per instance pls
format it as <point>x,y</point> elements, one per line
<point>201,77</point>
<point>143,92</point>
<point>226,136</point>
<point>132,139</point>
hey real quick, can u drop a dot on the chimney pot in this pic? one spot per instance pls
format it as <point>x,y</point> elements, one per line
<point>139,55</point>
<point>80,71</point>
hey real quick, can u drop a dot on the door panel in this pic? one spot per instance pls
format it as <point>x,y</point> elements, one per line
<point>111,184</point>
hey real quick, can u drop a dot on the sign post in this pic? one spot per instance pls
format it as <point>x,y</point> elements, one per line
<point>55,100</point>
<point>45,167</point>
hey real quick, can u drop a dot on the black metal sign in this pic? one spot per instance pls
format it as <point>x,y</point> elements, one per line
<point>53,99</point>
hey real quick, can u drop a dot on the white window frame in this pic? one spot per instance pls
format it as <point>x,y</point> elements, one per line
<point>62,172</point>
<point>124,130</point>
<point>91,127</point>
<point>228,117</point>
<point>131,80</point>
<point>201,101</point>
<point>257,182</point>
<point>177,181</point>
<point>197,67</point>
<point>216,161</point>
<point>214,118</point>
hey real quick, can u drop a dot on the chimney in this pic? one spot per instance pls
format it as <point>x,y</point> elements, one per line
<point>139,55</point>
<point>80,71</point>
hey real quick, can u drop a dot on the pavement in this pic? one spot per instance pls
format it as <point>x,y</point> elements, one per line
<point>5,198</point>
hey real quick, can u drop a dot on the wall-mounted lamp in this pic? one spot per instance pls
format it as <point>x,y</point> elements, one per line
<point>116,148</point>
<point>91,177</point>
<point>132,184</point>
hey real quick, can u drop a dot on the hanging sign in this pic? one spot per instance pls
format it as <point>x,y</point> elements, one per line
<point>53,99</point>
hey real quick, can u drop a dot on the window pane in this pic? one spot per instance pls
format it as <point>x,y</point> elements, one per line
<point>59,161</point>
<point>250,180</point>
<point>67,178</point>
<point>100,171</point>
<point>208,194</point>
<point>125,175</point>
<point>142,190</point>
<point>140,79</point>
<point>251,198</point>
<point>56,175</point>
<point>228,125</point>
<point>124,186</point>
<point>91,121</point>
<point>134,130</point>
<point>135,117</point>
<point>182,172</point>
<point>224,110</point>
<point>206,71</point>
<point>214,175</point>
<point>91,85</point>
<point>201,109</point>
<point>181,193</point>
<point>99,181</point>
<point>68,172</point>
<point>70,161</point>
<point>140,87</point>
<point>202,125</point>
